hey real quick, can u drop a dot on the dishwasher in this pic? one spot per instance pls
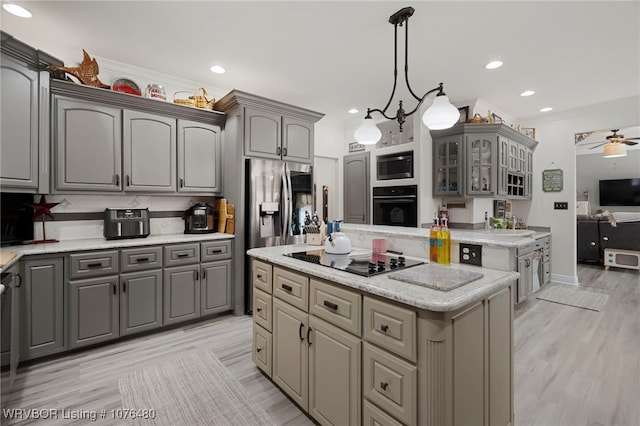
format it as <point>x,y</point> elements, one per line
<point>526,260</point>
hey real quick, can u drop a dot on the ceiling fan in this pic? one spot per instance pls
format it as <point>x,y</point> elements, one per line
<point>615,138</point>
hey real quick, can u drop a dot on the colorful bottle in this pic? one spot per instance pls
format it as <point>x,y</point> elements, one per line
<point>444,243</point>
<point>433,239</point>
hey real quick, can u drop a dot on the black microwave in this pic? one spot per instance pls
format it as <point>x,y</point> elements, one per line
<point>395,166</point>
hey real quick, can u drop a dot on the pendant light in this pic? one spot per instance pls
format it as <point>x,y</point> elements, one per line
<point>440,115</point>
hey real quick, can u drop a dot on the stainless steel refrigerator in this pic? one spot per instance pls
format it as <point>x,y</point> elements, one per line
<point>279,194</point>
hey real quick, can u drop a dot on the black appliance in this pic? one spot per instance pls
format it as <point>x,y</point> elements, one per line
<point>200,219</point>
<point>620,192</point>
<point>395,205</point>
<point>395,166</point>
<point>16,218</point>
<point>125,223</point>
<point>376,264</point>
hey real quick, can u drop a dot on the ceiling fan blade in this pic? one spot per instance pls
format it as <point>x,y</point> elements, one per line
<point>631,139</point>
<point>630,143</point>
<point>591,143</point>
<point>603,143</point>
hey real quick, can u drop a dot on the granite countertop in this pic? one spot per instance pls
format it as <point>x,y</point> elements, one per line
<point>102,243</point>
<point>492,237</point>
<point>383,286</point>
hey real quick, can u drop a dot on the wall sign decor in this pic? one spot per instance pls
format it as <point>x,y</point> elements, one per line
<point>355,146</point>
<point>552,180</point>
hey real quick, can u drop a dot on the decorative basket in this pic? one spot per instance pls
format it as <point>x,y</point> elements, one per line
<point>198,99</point>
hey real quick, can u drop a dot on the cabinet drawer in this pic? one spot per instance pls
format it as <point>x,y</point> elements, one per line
<point>139,259</point>
<point>181,254</point>
<point>543,243</point>
<point>217,250</point>
<point>390,383</point>
<point>390,326</point>
<point>336,305</point>
<point>291,287</point>
<point>546,272</point>
<point>546,255</point>
<point>261,355</point>
<point>93,264</point>
<point>262,309</point>
<point>373,416</point>
<point>262,274</point>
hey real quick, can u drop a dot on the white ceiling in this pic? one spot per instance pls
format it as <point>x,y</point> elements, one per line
<point>332,56</point>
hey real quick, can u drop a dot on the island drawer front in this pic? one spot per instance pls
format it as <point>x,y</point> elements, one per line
<point>291,287</point>
<point>391,327</point>
<point>93,264</point>
<point>336,305</point>
<point>139,259</point>
<point>215,250</point>
<point>546,272</point>
<point>546,255</point>
<point>181,254</point>
<point>262,341</point>
<point>373,416</point>
<point>543,243</point>
<point>390,383</point>
<point>262,309</point>
<point>262,274</point>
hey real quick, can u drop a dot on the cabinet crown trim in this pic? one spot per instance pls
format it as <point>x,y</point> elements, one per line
<point>237,97</point>
<point>499,129</point>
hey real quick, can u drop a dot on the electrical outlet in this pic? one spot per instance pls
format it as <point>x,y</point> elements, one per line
<point>560,205</point>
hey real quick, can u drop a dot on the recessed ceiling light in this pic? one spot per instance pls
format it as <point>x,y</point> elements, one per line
<point>493,65</point>
<point>527,93</point>
<point>217,69</point>
<point>353,111</point>
<point>546,109</point>
<point>14,9</point>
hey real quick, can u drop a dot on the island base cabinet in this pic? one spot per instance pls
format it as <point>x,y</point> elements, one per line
<point>93,310</point>
<point>465,364</point>
<point>290,352</point>
<point>373,416</point>
<point>42,312</point>
<point>334,374</point>
<point>140,301</point>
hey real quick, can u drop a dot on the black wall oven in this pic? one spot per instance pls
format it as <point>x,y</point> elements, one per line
<point>395,205</point>
<point>395,166</point>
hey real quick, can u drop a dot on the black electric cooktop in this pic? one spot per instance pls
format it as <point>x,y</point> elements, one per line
<point>366,266</point>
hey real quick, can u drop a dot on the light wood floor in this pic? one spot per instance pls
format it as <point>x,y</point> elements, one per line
<point>572,366</point>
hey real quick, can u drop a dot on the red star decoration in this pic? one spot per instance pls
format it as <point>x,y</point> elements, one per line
<point>42,208</point>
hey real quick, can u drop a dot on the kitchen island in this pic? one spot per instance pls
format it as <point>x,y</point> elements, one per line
<point>359,350</point>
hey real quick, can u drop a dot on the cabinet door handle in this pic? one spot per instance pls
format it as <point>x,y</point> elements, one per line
<point>204,274</point>
<point>128,180</point>
<point>308,334</point>
<point>278,151</point>
<point>284,151</point>
<point>117,180</point>
<point>287,287</point>
<point>605,238</point>
<point>115,288</point>
<point>258,349</point>
<point>19,283</point>
<point>384,385</point>
<point>330,305</point>
<point>259,276</point>
<point>300,335</point>
<point>259,309</point>
<point>142,259</point>
<point>528,262</point>
<point>592,243</point>
<point>196,274</point>
<point>94,265</point>
<point>384,327</point>
<point>124,286</point>
<point>181,182</point>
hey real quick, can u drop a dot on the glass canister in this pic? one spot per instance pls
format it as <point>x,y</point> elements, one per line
<point>155,91</point>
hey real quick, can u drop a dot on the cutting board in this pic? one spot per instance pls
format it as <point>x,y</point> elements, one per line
<point>222,214</point>
<point>6,257</point>
<point>231,221</point>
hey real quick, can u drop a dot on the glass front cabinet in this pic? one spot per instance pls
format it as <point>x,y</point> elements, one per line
<point>476,160</point>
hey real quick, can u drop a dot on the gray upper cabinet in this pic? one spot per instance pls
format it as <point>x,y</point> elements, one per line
<point>297,140</point>
<point>199,157</point>
<point>476,160</point>
<point>356,188</point>
<point>263,134</point>
<point>19,148</point>
<point>88,144</point>
<point>149,145</point>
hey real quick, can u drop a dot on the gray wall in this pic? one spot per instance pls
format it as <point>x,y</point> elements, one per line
<point>591,168</point>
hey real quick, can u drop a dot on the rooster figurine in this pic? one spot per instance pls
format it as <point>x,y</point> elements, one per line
<point>87,72</point>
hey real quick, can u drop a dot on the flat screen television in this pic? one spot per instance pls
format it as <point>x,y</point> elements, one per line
<point>620,192</point>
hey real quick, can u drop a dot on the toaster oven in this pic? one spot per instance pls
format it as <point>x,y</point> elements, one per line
<point>126,223</point>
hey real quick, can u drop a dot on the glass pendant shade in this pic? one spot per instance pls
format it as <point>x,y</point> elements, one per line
<point>441,114</point>
<point>368,133</point>
<point>613,150</point>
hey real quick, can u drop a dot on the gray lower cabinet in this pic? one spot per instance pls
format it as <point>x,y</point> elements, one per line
<point>215,287</point>
<point>356,188</point>
<point>181,293</point>
<point>42,318</point>
<point>149,152</point>
<point>93,310</point>
<point>140,301</point>
<point>199,157</point>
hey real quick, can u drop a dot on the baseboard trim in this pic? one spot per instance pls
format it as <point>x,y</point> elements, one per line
<point>564,279</point>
